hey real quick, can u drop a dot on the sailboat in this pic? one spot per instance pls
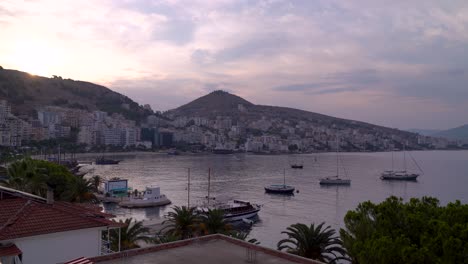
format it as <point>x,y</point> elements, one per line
<point>400,175</point>
<point>336,180</point>
<point>234,210</point>
<point>280,188</point>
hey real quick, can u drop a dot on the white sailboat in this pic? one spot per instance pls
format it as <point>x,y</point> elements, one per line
<point>336,180</point>
<point>400,175</point>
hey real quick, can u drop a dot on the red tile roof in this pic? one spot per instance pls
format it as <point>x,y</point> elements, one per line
<point>9,250</point>
<point>22,217</point>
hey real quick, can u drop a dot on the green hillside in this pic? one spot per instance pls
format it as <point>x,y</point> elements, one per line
<point>26,93</point>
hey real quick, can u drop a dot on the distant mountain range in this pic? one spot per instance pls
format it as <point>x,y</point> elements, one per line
<point>458,133</point>
<point>27,92</point>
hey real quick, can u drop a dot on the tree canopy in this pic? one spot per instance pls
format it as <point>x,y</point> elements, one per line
<point>35,176</point>
<point>419,231</point>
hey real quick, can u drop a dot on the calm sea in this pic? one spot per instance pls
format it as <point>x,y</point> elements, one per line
<point>242,176</point>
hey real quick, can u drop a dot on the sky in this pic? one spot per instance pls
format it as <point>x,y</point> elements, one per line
<point>398,63</point>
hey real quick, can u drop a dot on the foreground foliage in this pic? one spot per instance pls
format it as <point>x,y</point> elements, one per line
<point>36,176</point>
<point>182,222</point>
<point>420,231</point>
<point>130,235</point>
<point>314,242</point>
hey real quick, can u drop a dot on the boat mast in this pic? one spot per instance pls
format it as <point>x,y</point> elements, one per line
<point>337,158</point>
<point>284,177</point>
<point>393,151</point>
<point>188,189</point>
<point>209,183</point>
<point>404,157</point>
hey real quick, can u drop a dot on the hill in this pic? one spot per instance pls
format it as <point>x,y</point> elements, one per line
<point>221,103</point>
<point>458,133</point>
<point>26,93</point>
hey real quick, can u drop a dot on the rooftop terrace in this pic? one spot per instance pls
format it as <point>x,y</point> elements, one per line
<point>211,249</point>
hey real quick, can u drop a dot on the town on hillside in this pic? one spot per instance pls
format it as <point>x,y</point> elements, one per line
<point>247,129</point>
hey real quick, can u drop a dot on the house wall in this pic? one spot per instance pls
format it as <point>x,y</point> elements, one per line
<point>60,247</point>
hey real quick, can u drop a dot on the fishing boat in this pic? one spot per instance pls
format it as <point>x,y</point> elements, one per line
<point>103,161</point>
<point>280,188</point>
<point>152,197</point>
<point>336,180</point>
<point>401,175</point>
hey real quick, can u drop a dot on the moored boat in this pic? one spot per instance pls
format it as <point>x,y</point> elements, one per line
<point>151,197</point>
<point>399,175</point>
<point>334,181</point>
<point>297,166</point>
<point>280,188</point>
<point>104,161</point>
<point>234,210</point>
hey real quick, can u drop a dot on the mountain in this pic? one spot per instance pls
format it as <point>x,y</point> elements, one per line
<point>458,133</point>
<point>215,103</point>
<point>26,93</point>
<point>220,103</point>
<point>424,132</point>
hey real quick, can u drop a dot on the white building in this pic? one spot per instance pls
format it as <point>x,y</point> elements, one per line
<point>47,231</point>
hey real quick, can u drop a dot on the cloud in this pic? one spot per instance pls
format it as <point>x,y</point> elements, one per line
<point>343,58</point>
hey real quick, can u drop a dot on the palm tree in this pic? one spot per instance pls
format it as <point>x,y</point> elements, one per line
<point>213,222</point>
<point>313,242</point>
<point>182,222</point>
<point>80,190</point>
<point>24,176</point>
<point>130,235</point>
<point>96,181</point>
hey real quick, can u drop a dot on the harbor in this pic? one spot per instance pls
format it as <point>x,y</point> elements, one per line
<point>243,177</point>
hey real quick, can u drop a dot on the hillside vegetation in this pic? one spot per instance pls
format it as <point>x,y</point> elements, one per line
<point>26,93</point>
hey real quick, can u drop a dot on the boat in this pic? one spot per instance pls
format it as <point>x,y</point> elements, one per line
<point>401,175</point>
<point>234,210</point>
<point>297,166</point>
<point>280,188</point>
<point>223,151</point>
<point>336,180</point>
<point>152,197</point>
<point>104,161</point>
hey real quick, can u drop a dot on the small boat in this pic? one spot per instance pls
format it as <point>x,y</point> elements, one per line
<point>104,161</point>
<point>223,151</point>
<point>336,180</point>
<point>151,197</point>
<point>399,176</point>
<point>280,188</point>
<point>235,210</point>
<point>297,166</point>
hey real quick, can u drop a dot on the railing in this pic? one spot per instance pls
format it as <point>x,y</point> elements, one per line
<point>105,248</point>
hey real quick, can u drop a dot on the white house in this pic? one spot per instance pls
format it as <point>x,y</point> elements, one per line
<point>34,230</point>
